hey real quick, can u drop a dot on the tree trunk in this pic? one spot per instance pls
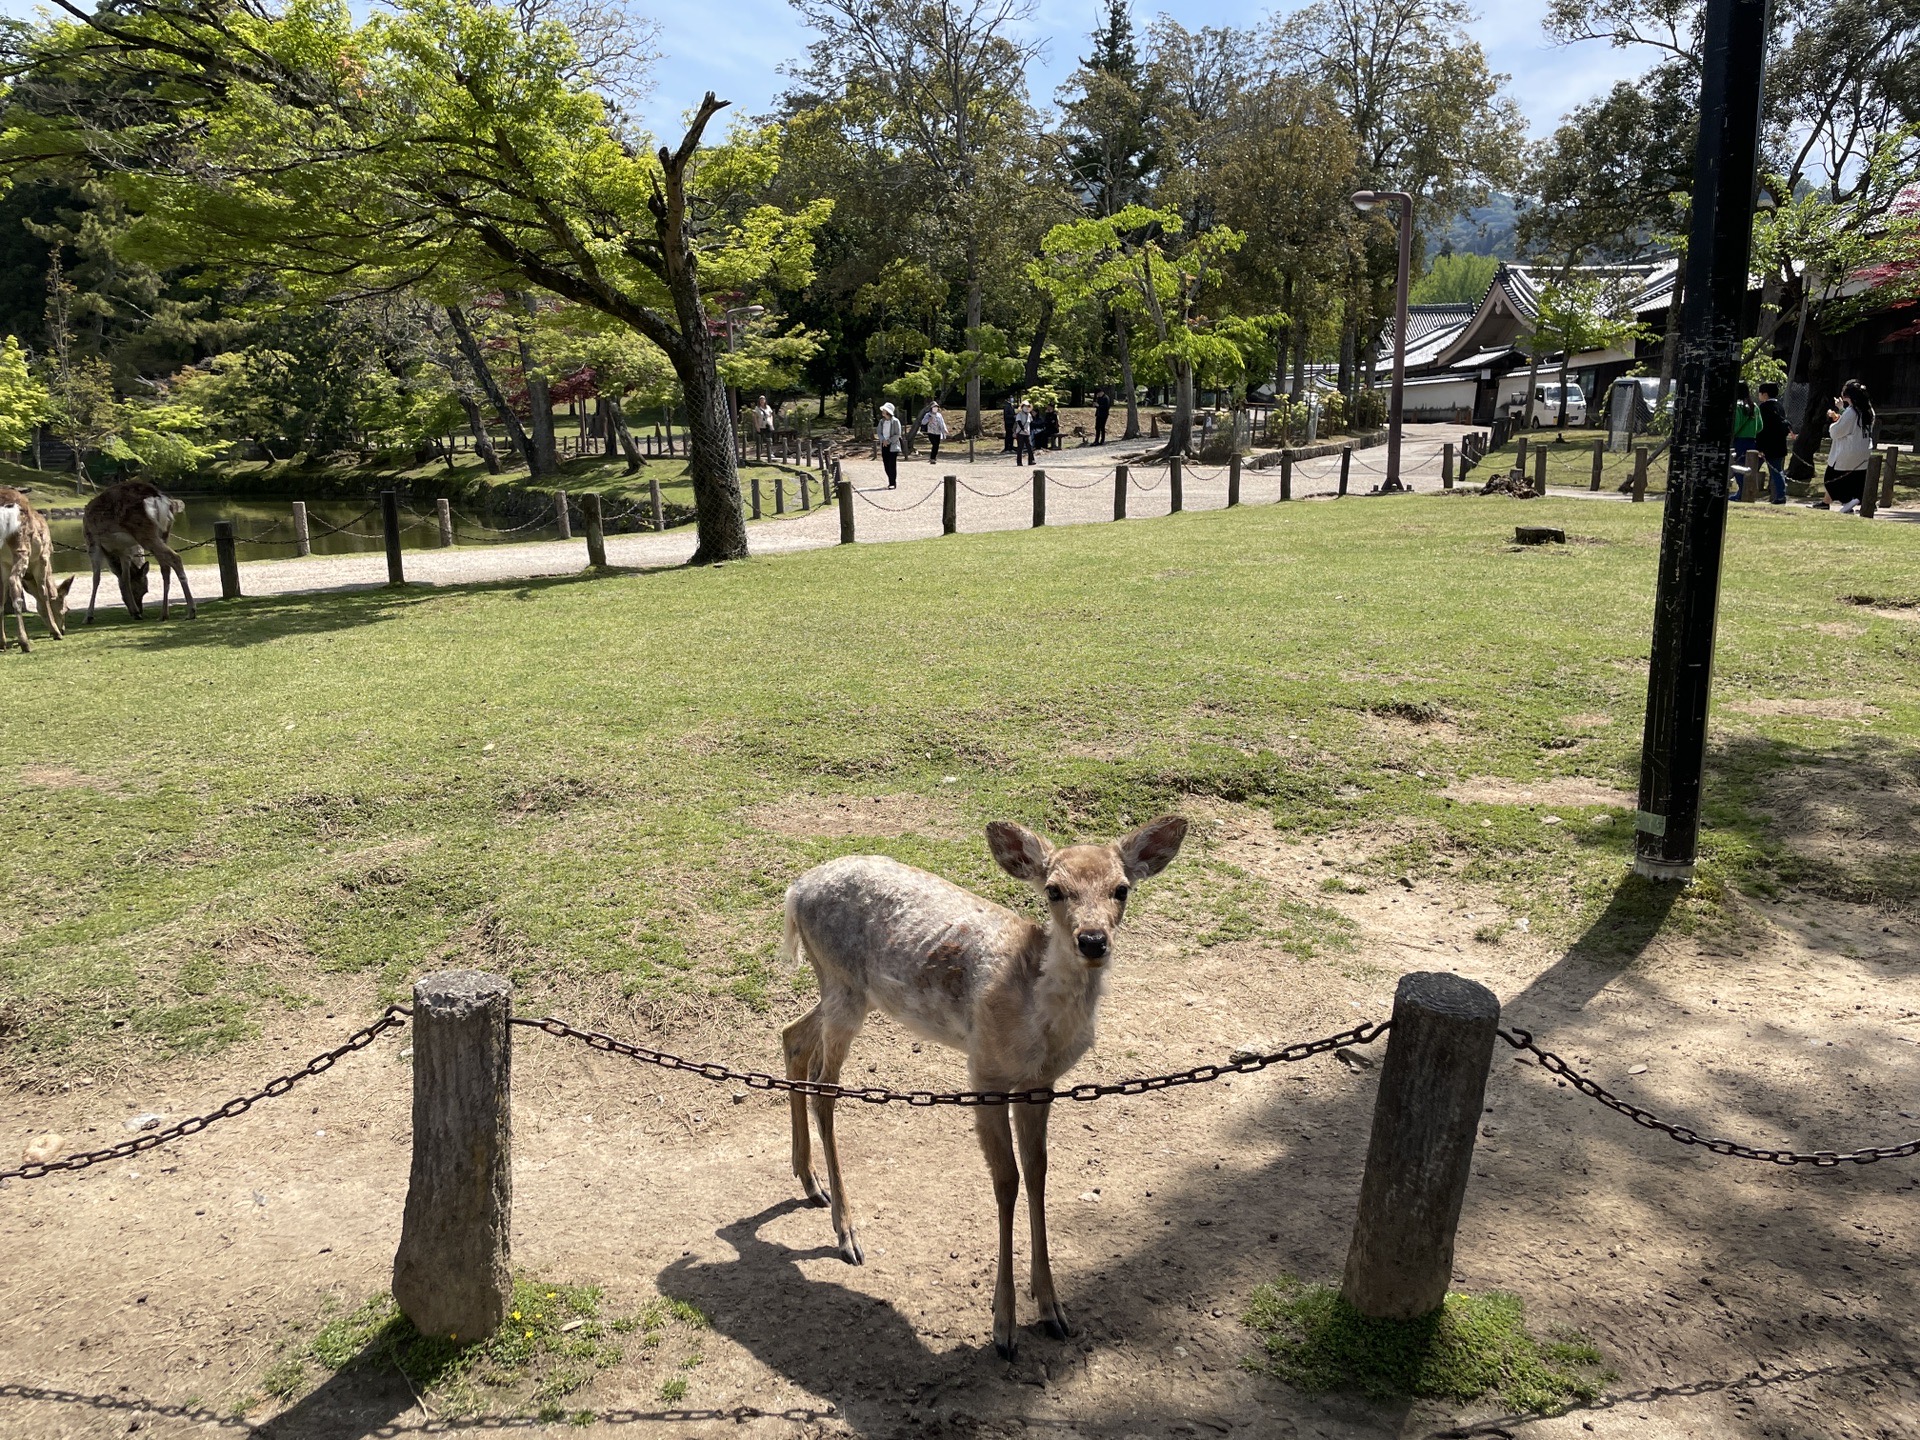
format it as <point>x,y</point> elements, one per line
<point>1125,333</point>
<point>721,525</point>
<point>973,326</point>
<point>1670,348</point>
<point>1565,361</point>
<point>1038,348</point>
<point>1814,424</point>
<point>1345,379</point>
<point>1285,340</point>
<point>1533,380</point>
<point>482,441</point>
<point>477,361</point>
<point>1180,442</point>
<point>1299,361</point>
<point>617,426</point>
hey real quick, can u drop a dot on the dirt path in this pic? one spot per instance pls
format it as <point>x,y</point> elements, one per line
<point>1734,1299</point>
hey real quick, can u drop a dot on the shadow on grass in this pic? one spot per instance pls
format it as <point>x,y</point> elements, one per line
<point>1618,936</point>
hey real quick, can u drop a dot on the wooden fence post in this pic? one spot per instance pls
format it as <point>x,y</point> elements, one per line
<point>806,495</point>
<point>1599,459</point>
<point>1446,466</point>
<point>443,511</point>
<point>1639,474</point>
<point>845,493</point>
<point>1286,474</point>
<point>1540,470</point>
<point>562,517</point>
<point>596,533</point>
<point>653,494</point>
<point>452,1274</point>
<point>1433,1083</point>
<point>1120,492</point>
<point>1346,466</point>
<point>1889,475</point>
<point>950,504</point>
<point>1039,498</point>
<point>1176,474</point>
<point>229,563</point>
<point>302,544</point>
<point>1233,479</point>
<point>779,492</point>
<point>1870,493</point>
<point>390,523</point>
<point>756,497</point>
<point>1520,454</point>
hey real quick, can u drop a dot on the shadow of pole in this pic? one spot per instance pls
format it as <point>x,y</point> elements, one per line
<point>1608,947</point>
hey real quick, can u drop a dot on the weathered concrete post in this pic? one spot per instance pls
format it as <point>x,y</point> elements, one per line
<point>302,544</point>
<point>1870,496</point>
<point>1520,454</point>
<point>1599,459</point>
<point>1175,475</point>
<point>1889,476</point>
<point>229,563</point>
<point>1540,470</point>
<point>596,532</point>
<point>1639,474</point>
<point>756,497</point>
<point>451,1274</point>
<point>1433,1083</point>
<point>1233,480</point>
<point>1039,498</point>
<point>443,509</point>
<point>845,493</point>
<point>949,504</point>
<point>390,523</point>
<point>1286,474</point>
<point>1446,466</point>
<point>562,517</point>
<point>653,494</point>
<point>1346,466</point>
<point>1119,492</point>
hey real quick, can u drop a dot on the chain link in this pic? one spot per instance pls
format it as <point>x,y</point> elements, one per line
<point>239,1105</point>
<point>880,1095</point>
<point>1554,1065</point>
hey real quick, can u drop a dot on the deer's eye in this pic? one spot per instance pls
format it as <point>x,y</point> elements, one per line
<point>1122,892</point>
<point>1056,894</point>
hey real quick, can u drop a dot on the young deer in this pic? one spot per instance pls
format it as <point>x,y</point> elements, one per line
<point>1019,999</point>
<point>124,524</point>
<point>26,555</point>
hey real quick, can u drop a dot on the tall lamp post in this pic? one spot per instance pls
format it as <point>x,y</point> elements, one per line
<point>1364,201</point>
<point>750,312</point>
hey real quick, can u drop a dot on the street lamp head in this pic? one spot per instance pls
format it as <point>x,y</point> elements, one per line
<point>1365,200</point>
<point>756,310</point>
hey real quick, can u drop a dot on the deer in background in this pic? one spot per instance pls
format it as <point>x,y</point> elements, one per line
<point>1020,1000</point>
<point>26,564</point>
<point>124,524</point>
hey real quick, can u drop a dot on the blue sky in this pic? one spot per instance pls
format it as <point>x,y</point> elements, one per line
<point>735,48</point>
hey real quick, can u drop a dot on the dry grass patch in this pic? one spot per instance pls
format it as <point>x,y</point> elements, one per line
<point>843,817</point>
<point>1830,708</point>
<point>1568,790</point>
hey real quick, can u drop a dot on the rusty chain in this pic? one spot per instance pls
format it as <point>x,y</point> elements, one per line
<point>880,1095</point>
<point>1554,1065</point>
<point>239,1105</point>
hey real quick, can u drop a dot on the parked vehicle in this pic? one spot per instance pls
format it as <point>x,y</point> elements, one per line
<point>1546,405</point>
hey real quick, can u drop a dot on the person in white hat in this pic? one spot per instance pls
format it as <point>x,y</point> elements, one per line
<point>889,435</point>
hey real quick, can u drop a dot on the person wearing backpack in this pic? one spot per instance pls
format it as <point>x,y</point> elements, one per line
<point>1776,435</point>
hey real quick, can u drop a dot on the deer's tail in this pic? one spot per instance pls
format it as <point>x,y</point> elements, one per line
<point>10,522</point>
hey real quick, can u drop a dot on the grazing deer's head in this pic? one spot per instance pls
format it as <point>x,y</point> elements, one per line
<point>53,604</point>
<point>1086,886</point>
<point>131,572</point>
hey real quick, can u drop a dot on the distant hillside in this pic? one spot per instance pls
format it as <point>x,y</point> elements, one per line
<point>1482,229</point>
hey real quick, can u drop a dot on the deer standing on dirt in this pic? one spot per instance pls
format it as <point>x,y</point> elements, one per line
<point>26,564</point>
<point>124,524</point>
<point>1019,999</point>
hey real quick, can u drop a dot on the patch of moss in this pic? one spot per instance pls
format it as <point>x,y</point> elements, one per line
<point>1474,1346</point>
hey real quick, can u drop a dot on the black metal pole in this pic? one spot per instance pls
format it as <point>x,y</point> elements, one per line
<point>1693,530</point>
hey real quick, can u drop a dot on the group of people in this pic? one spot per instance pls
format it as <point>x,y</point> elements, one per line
<point>1761,428</point>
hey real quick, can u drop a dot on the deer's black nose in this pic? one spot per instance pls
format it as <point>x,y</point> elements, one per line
<point>1092,943</point>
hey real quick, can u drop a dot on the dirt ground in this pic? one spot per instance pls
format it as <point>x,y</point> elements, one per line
<point>1733,1299</point>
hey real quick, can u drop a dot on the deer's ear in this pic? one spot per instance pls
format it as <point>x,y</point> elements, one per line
<point>1151,848</point>
<point>1018,851</point>
<point>66,585</point>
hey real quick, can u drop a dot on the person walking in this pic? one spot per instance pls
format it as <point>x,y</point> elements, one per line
<point>933,425</point>
<point>1023,434</point>
<point>1746,435</point>
<point>1849,444</point>
<point>1102,406</point>
<point>1006,424</point>
<point>1776,435</point>
<point>888,434</point>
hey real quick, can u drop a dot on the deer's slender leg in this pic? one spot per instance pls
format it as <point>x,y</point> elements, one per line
<point>171,558</point>
<point>1030,1125</point>
<point>990,1124</point>
<point>6,604</point>
<point>801,1040</point>
<point>828,1057</point>
<point>94,552</point>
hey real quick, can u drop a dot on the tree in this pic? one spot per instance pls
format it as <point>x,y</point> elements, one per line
<point>1613,179</point>
<point>1454,279</point>
<point>445,142</point>
<point>24,402</point>
<point>1576,313</point>
<point>1139,262</point>
<point>1107,122</point>
<point>942,82</point>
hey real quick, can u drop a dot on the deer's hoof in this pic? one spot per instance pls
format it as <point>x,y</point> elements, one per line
<point>816,1192</point>
<point>1056,1325</point>
<point>850,1250</point>
<point>1006,1348</point>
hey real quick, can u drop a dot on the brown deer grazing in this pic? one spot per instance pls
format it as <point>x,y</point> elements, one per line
<point>1019,999</point>
<point>124,524</point>
<point>26,564</point>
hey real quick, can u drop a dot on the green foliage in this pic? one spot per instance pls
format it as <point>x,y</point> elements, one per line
<point>1759,365</point>
<point>1473,1347</point>
<point>940,373</point>
<point>1455,279</point>
<point>24,401</point>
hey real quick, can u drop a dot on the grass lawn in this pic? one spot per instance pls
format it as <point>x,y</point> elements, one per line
<point>590,784</point>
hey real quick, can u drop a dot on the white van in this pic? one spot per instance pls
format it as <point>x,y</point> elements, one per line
<point>1546,405</point>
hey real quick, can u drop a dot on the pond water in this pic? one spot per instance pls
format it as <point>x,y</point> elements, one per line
<point>263,529</point>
